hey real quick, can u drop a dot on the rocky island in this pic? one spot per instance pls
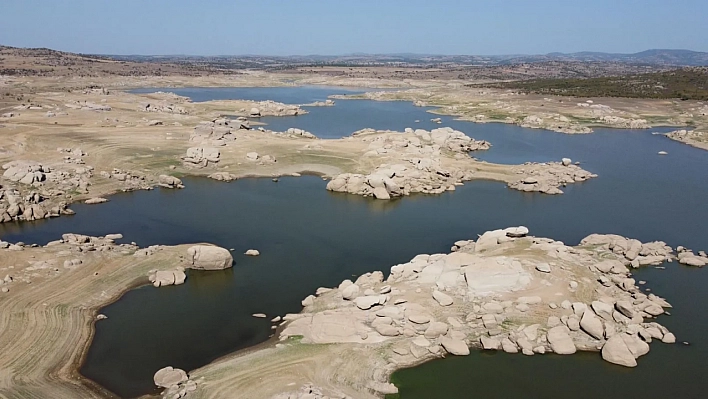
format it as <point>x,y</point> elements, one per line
<point>506,290</point>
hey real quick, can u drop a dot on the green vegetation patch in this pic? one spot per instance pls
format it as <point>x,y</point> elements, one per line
<point>685,84</point>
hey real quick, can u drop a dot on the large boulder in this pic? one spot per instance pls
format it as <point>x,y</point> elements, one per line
<point>209,257</point>
<point>560,340</point>
<point>170,181</point>
<point>616,351</point>
<point>455,346</point>
<point>167,377</point>
<point>96,200</point>
<point>592,325</point>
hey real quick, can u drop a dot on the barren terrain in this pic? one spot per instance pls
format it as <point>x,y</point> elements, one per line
<point>78,135</point>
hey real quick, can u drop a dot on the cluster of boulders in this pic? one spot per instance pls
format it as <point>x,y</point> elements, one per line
<point>505,291</point>
<point>272,108</point>
<point>596,109</point>
<point>130,180</point>
<point>25,172</point>
<point>688,258</point>
<point>223,176</point>
<point>219,130</point>
<point>201,157</point>
<point>38,175</point>
<point>419,142</point>
<point>167,181</point>
<point>422,169</point>
<point>175,381</point>
<point>5,282</point>
<point>74,155</point>
<point>37,268</point>
<point>446,138</point>
<point>389,181</point>
<point>50,184</point>
<point>73,248</point>
<point>84,243</point>
<point>635,252</point>
<point>88,106</point>
<point>692,137</point>
<point>200,257</point>
<point>94,90</point>
<point>551,121</point>
<point>555,122</point>
<point>297,133</point>
<point>162,278</point>
<point>548,177</point>
<point>55,183</point>
<point>165,102</point>
<point>626,123</point>
<point>32,206</point>
<point>163,107</point>
<point>261,159</point>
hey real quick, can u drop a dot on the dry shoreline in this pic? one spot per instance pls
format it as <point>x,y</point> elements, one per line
<point>285,362</point>
<point>694,138</point>
<point>47,332</point>
<point>108,147</point>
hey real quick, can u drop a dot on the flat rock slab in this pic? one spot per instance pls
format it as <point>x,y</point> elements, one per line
<point>443,299</point>
<point>455,346</point>
<point>543,267</point>
<point>366,302</point>
<point>490,343</point>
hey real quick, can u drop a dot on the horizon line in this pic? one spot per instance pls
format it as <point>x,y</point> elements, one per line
<point>358,53</point>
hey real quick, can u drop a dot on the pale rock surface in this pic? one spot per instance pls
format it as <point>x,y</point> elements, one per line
<point>455,346</point>
<point>592,325</point>
<point>208,257</point>
<point>560,341</point>
<point>167,377</point>
<point>443,299</point>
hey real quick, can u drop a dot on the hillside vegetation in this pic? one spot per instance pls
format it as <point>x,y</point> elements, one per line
<point>686,84</point>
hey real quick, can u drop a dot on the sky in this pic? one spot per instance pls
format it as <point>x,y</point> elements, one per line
<point>329,27</point>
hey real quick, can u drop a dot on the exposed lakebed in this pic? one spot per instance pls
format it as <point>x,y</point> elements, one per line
<point>309,237</point>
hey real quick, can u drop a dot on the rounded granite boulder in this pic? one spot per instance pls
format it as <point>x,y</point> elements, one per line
<point>209,257</point>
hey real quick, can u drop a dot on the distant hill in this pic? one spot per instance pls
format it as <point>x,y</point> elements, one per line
<point>48,62</point>
<point>649,57</point>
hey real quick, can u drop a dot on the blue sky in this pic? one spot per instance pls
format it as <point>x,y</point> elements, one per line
<point>286,27</point>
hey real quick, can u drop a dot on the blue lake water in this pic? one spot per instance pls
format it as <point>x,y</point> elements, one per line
<point>309,237</point>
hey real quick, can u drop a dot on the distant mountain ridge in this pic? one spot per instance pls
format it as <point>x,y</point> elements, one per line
<point>48,62</point>
<point>649,57</point>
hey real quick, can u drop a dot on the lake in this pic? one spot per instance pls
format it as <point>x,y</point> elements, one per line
<point>309,237</point>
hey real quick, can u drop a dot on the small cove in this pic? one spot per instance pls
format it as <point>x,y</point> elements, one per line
<point>309,237</point>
